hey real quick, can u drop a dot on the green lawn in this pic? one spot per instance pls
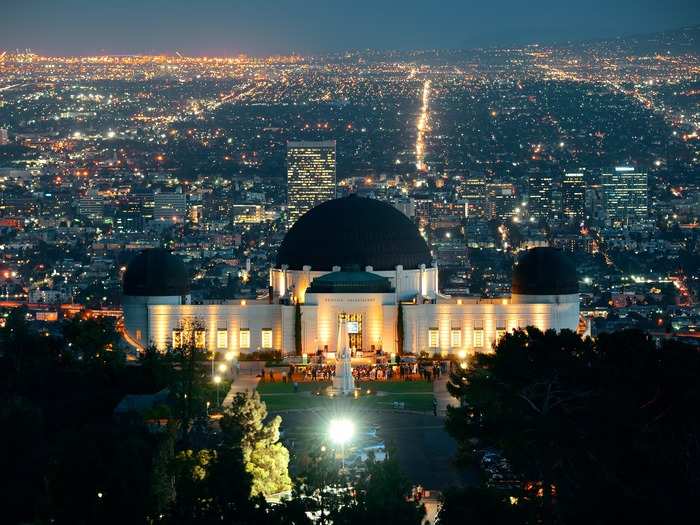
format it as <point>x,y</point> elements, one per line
<point>416,395</point>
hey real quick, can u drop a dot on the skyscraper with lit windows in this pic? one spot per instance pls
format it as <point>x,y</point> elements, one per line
<point>573,196</point>
<point>539,189</point>
<point>310,176</point>
<point>625,195</point>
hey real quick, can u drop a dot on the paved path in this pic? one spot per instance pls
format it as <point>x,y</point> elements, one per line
<point>246,381</point>
<point>442,395</point>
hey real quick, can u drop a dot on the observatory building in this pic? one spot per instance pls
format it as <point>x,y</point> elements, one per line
<point>356,260</point>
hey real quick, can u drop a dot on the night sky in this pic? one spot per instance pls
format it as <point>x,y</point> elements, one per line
<point>260,27</point>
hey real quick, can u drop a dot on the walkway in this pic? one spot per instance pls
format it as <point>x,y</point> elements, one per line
<point>443,397</point>
<point>247,381</point>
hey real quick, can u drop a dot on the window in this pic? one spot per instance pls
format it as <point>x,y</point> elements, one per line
<point>177,338</point>
<point>266,336</point>
<point>433,338</point>
<point>138,335</point>
<point>244,338</point>
<point>478,338</point>
<point>222,338</point>
<point>500,332</point>
<point>200,339</point>
<point>455,338</point>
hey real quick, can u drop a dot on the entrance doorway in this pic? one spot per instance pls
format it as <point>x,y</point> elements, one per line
<point>354,330</point>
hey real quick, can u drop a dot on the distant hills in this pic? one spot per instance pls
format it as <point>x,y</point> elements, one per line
<point>684,40</point>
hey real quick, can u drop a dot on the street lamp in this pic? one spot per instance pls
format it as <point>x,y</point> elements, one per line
<point>222,368</point>
<point>340,432</point>
<point>217,382</point>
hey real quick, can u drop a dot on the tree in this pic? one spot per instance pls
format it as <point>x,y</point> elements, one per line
<point>190,375</point>
<point>399,330</point>
<point>588,427</point>
<point>381,495</point>
<point>322,487</point>
<point>478,506</point>
<point>90,338</point>
<point>265,458</point>
<point>297,329</point>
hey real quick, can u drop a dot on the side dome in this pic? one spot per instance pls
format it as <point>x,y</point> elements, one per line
<point>544,271</point>
<point>156,272</point>
<point>353,231</point>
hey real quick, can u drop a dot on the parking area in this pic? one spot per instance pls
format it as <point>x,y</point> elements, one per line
<point>423,448</point>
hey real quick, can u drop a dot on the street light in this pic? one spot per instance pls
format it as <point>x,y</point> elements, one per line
<point>222,368</point>
<point>340,432</point>
<point>217,382</point>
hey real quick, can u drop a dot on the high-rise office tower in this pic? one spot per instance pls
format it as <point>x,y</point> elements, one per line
<point>473,191</point>
<point>170,206</point>
<point>310,176</point>
<point>501,201</point>
<point>539,191</point>
<point>4,137</point>
<point>625,195</point>
<point>573,196</point>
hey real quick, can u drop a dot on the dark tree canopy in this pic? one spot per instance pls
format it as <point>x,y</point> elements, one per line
<point>597,431</point>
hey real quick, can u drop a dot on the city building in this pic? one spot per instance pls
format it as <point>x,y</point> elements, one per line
<point>573,196</point>
<point>170,206</point>
<point>501,201</point>
<point>539,193</point>
<point>91,206</point>
<point>351,259</point>
<point>4,137</point>
<point>311,177</point>
<point>625,195</point>
<point>473,191</point>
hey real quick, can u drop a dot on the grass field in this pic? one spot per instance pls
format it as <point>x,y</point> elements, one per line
<point>415,395</point>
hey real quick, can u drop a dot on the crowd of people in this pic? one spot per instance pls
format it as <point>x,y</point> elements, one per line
<point>369,372</point>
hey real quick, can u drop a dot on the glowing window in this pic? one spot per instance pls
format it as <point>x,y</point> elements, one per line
<point>244,338</point>
<point>177,338</point>
<point>222,338</point>
<point>200,339</point>
<point>500,332</point>
<point>266,337</point>
<point>138,335</point>
<point>455,338</point>
<point>433,338</point>
<point>478,338</point>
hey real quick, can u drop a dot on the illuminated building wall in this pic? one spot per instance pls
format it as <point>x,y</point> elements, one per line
<point>478,323</point>
<point>448,326</point>
<point>310,176</point>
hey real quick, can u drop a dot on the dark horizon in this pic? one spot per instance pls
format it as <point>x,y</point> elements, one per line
<point>219,28</point>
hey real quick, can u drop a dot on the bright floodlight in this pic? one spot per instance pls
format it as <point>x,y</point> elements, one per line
<point>341,431</point>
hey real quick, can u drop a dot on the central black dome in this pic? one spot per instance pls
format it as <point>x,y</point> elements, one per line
<point>353,231</point>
